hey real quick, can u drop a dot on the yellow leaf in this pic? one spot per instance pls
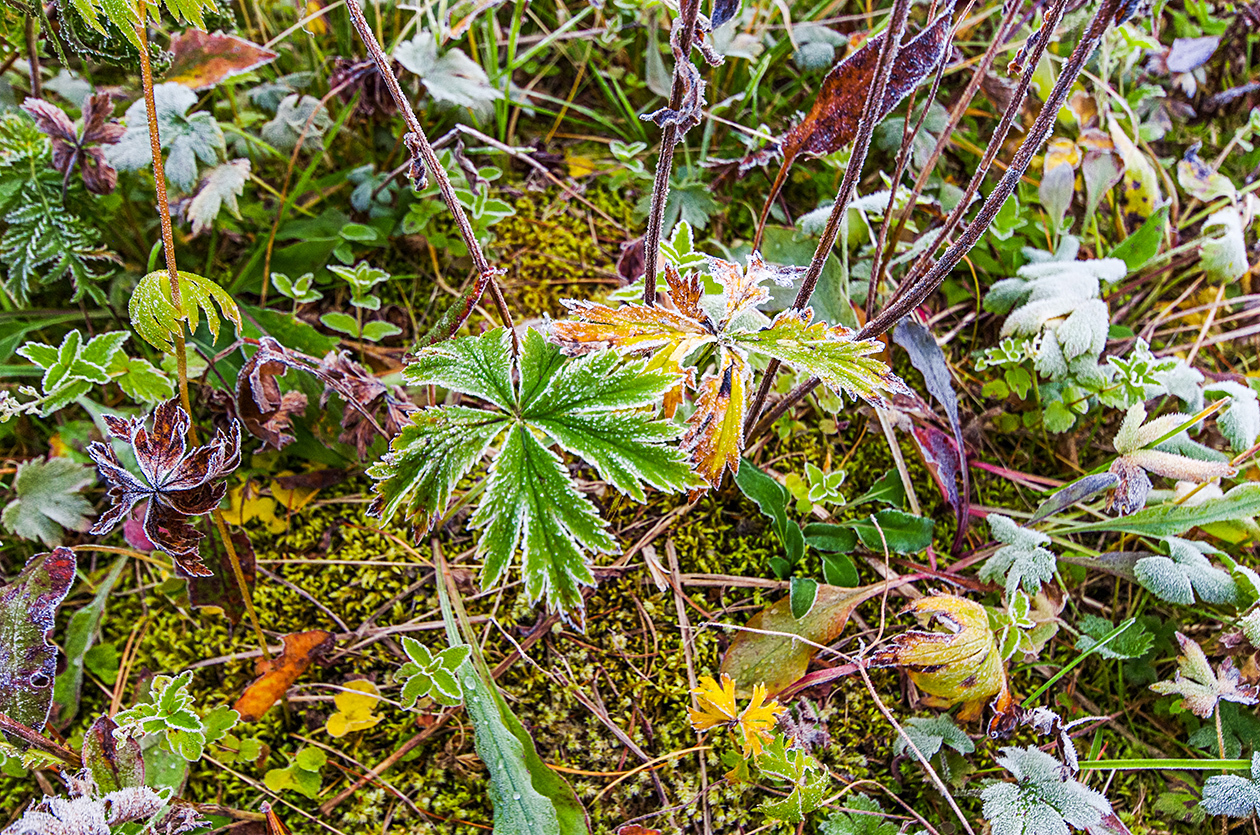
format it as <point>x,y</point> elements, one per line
<point>715,430</point>
<point>579,166</point>
<point>316,26</point>
<point>354,709</point>
<point>244,507</point>
<point>1061,151</point>
<point>754,725</point>
<point>1140,186</point>
<point>960,664</point>
<point>295,499</point>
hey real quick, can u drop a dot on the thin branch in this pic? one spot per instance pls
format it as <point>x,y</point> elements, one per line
<point>888,50</point>
<point>423,156</point>
<point>689,12</point>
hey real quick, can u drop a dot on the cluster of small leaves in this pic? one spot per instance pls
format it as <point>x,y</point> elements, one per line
<point>427,674</point>
<point>170,713</point>
<point>361,278</point>
<point>74,367</point>
<point>1021,561</point>
<point>300,775</point>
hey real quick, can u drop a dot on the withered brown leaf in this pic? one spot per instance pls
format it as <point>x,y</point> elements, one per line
<point>202,60</point>
<point>70,148</point>
<point>178,483</point>
<point>259,404</point>
<point>364,393</point>
<point>277,675</point>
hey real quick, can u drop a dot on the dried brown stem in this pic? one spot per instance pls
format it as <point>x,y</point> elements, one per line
<point>181,353</point>
<point>417,142</point>
<point>35,739</point>
<point>888,50</point>
<point>689,11</point>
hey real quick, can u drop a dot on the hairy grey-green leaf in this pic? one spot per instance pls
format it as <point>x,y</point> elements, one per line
<point>48,500</point>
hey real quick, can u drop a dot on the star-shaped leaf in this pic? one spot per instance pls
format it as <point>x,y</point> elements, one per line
<point>716,708</point>
<point>1201,689</point>
<point>1021,561</point>
<point>1046,799</point>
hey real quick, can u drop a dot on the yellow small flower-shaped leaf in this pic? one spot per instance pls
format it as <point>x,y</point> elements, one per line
<point>354,709</point>
<point>1061,151</point>
<point>757,721</point>
<point>753,725</point>
<point>716,704</point>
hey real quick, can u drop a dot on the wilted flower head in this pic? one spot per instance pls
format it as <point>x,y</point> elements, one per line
<point>1136,460</point>
<point>178,482</point>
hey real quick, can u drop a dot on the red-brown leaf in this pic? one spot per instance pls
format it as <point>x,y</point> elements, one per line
<point>276,676</point>
<point>202,60</point>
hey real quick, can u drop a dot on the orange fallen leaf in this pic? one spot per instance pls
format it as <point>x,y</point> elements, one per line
<point>202,60</point>
<point>277,675</point>
<point>275,826</point>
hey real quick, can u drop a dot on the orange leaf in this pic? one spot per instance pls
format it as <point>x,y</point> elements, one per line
<point>715,430</point>
<point>277,675</point>
<point>275,826</point>
<point>203,60</point>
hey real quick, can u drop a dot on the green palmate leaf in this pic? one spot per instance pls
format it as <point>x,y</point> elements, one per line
<point>157,319</point>
<point>140,380</point>
<point>805,778</point>
<point>530,503</point>
<point>930,734</point>
<point>189,139</point>
<point>1133,642</point>
<point>170,713</point>
<point>80,635</point>
<point>1242,502</point>
<point>829,353</point>
<point>589,407</point>
<point>298,119</point>
<point>1177,577</point>
<point>48,500</point>
<point>28,663</point>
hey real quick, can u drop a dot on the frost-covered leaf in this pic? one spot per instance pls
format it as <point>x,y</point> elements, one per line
<point>48,500</point>
<point>362,277</point>
<point>1177,577</point>
<point>805,778</point>
<point>1134,442</point>
<point>1223,252</point>
<point>930,733</point>
<point>1231,795</point>
<point>591,407</point>
<point>1021,560</point>
<point>219,188</point>
<point>28,660</point>
<point>1240,421</point>
<point>299,289</point>
<point>1046,799</point>
<point>189,139</point>
<point>1201,689</point>
<point>298,118</point>
<point>74,367</point>
<point>426,674</point>
<point>1140,375</point>
<point>141,380</point>
<point>1133,642</point>
<point>169,712</point>
<point>452,77</point>
<point>157,320</point>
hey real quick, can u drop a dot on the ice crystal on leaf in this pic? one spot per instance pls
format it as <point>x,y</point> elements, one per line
<point>591,408</point>
<point>1185,572</point>
<point>1021,560</point>
<point>1200,689</point>
<point>1046,799</point>
<point>1231,795</point>
<point>1134,442</point>
<point>675,331</point>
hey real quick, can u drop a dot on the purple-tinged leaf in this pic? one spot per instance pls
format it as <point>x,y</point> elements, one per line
<point>1077,491</point>
<point>113,763</point>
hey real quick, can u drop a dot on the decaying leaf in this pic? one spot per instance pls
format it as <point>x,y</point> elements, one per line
<point>771,657</point>
<point>114,762</point>
<point>177,482</point>
<point>960,664</point>
<point>219,189</point>
<point>278,675</point>
<point>259,404</point>
<point>28,660</point>
<point>449,323</point>
<point>1200,689</point>
<point>220,590</point>
<point>48,501</point>
<point>275,826</point>
<point>202,60</point>
<point>71,148</point>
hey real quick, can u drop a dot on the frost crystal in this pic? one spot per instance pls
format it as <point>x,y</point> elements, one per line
<point>1045,800</point>
<point>1021,559</point>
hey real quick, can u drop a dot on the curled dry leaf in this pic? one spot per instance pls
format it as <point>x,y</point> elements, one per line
<point>28,660</point>
<point>962,664</point>
<point>178,483</point>
<point>277,675</point>
<point>259,404</point>
<point>275,826</point>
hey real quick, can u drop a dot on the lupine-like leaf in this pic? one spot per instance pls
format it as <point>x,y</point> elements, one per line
<point>190,139</point>
<point>1021,560</point>
<point>157,320</point>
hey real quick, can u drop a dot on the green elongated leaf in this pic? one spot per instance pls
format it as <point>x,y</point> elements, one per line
<point>530,503</point>
<point>28,660</point>
<point>157,320</point>
<point>140,381</point>
<point>839,570</point>
<point>80,635</point>
<point>341,322</point>
<point>831,354</point>
<point>113,763</point>
<point>1241,502</point>
<point>772,656</point>
<point>480,366</point>
<point>48,500</point>
<point>429,457</point>
<point>288,330</point>
<point>1142,245</point>
<point>801,596</point>
<point>836,539</point>
<point>904,533</point>
<point>772,499</point>
<point>888,489</point>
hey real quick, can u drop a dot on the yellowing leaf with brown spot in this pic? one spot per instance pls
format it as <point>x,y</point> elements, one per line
<point>715,430</point>
<point>1139,189</point>
<point>960,664</point>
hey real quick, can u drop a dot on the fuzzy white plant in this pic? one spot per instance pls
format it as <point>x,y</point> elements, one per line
<point>1134,442</point>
